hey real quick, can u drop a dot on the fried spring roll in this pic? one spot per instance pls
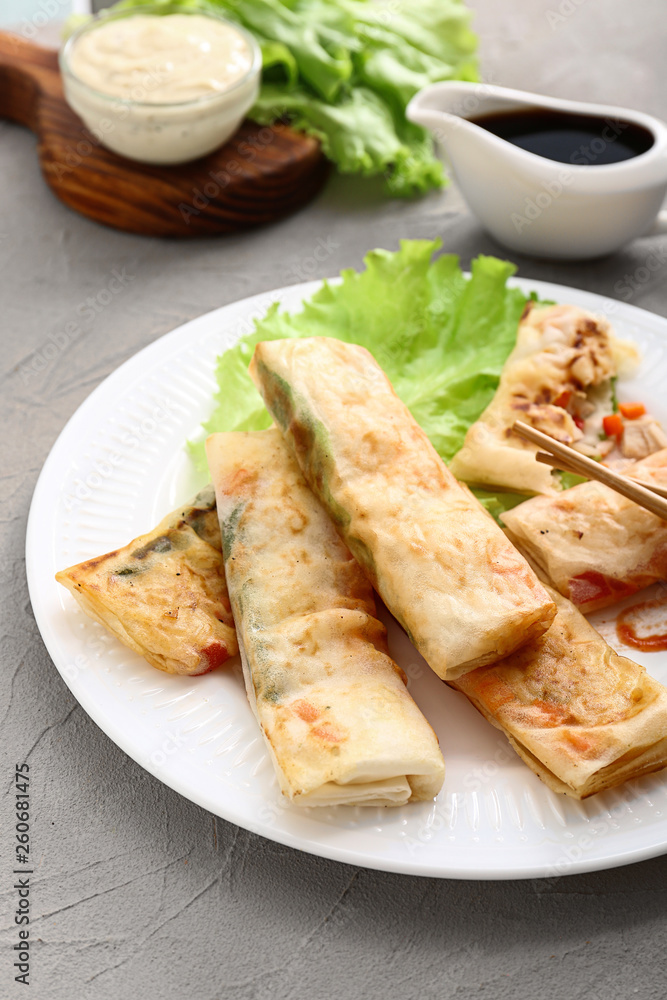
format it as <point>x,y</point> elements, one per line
<point>558,379</point>
<point>463,593</point>
<point>594,545</point>
<point>582,717</point>
<point>164,595</point>
<point>333,707</point>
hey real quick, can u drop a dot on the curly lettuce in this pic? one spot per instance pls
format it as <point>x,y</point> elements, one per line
<point>345,70</point>
<point>440,336</point>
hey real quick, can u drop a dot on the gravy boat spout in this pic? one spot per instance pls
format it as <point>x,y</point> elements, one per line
<point>534,204</point>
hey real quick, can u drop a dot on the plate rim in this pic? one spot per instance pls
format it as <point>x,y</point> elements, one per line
<point>229,812</point>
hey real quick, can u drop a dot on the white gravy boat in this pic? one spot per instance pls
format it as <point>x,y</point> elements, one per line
<point>537,205</point>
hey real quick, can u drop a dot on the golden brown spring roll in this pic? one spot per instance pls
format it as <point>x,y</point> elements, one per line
<point>444,569</point>
<point>333,707</point>
<point>164,595</point>
<point>558,379</point>
<point>582,717</point>
<point>595,546</point>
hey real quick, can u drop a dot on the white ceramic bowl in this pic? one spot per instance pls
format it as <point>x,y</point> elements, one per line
<point>157,133</point>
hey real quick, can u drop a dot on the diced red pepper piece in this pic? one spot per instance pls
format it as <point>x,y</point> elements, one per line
<point>613,425</point>
<point>579,421</point>
<point>632,411</point>
<point>563,399</point>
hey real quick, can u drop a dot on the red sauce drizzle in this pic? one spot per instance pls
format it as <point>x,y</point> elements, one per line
<point>653,641</point>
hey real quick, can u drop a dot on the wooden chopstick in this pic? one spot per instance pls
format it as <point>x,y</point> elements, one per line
<point>584,466</point>
<point>560,463</point>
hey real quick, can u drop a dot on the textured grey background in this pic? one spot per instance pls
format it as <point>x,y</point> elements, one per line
<point>137,891</point>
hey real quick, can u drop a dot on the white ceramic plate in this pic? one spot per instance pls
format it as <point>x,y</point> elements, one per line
<point>119,466</point>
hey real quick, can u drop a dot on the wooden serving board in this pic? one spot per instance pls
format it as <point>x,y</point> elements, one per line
<point>260,175</point>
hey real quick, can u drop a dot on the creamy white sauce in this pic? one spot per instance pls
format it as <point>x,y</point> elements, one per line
<point>161,89</point>
<point>163,59</point>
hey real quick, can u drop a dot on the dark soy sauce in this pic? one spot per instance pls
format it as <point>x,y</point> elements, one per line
<point>585,140</point>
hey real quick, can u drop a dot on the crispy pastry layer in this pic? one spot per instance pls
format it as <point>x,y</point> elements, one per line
<point>164,595</point>
<point>333,706</point>
<point>445,570</point>
<point>595,546</point>
<point>561,352</point>
<point>581,716</point>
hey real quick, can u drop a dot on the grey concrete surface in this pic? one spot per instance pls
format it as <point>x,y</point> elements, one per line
<point>139,893</point>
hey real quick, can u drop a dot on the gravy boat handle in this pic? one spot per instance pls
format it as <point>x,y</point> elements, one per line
<point>659,227</point>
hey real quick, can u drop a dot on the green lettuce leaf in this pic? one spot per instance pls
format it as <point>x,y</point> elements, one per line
<point>498,503</point>
<point>345,70</point>
<point>441,337</point>
<point>570,479</point>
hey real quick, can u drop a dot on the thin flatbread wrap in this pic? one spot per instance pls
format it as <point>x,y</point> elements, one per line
<point>443,567</point>
<point>164,595</point>
<point>582,717</point>
<point>595,546</point>
<point>333,707</point>
<point>558,379</point>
